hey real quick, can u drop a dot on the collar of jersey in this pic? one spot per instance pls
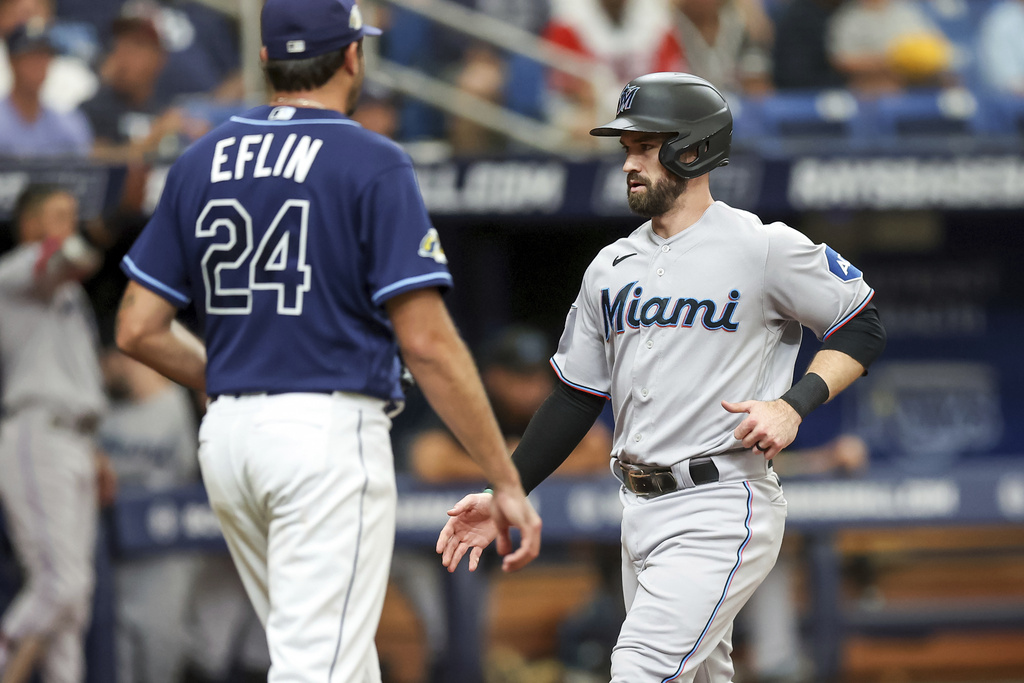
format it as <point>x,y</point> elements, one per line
<point>691,233</point>
<point>302,114</point>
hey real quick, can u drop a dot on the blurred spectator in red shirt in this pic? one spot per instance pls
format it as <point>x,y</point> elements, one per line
<point>881,46</point>
<point>626,37</point>
<point>720,48</point>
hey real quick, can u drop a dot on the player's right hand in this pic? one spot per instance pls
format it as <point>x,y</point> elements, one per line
<point>478,519</point>
<point>510,508</point>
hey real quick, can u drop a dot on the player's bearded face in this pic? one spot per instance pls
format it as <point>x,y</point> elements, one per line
<point>658,196</point>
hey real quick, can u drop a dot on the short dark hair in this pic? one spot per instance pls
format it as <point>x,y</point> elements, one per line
<point>294,75</point>
<point>32,197</point>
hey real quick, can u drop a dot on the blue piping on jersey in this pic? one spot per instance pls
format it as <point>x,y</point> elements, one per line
<point>580,387</point>
<point>850,317</point>
<point>418,280</point>
<point>725,591</point>
<point>293,122</point>
<point>150,280</point>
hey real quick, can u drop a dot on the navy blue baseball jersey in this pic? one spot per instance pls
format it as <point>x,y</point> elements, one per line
<point>291,228</point>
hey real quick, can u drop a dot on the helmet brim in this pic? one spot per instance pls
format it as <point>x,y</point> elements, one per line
<point>632,123</point>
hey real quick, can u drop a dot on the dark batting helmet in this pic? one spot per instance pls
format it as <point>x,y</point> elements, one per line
<point>682,104</point>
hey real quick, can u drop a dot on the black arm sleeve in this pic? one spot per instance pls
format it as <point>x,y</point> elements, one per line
<point>555,430</point>
<point>862,338</point>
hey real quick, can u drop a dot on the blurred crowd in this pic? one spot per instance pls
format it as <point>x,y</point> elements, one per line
<point>126,80</point>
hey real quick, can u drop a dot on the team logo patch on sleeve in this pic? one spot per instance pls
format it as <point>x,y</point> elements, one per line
<point>840,267</point>
<point>430,247</point>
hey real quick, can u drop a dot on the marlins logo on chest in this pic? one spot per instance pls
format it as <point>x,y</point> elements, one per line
<point>628,310</point>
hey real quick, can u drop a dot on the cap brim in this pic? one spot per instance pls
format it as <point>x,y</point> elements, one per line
<point>369,31</point>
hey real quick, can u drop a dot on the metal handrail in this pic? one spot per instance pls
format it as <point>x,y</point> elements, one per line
<point>437,92</point>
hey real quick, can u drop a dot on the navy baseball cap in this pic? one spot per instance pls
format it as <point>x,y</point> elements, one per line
<point>33,36</point>
<point>299,29</point>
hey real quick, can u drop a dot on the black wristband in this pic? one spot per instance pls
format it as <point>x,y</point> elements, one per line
<point>807,394</point>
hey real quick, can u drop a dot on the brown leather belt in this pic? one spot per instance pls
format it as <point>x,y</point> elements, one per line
<point>85,425</point>
<point>649,481</point>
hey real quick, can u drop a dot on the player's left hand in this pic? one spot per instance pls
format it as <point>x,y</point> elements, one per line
<point>769,427</point>
<point>470,528</point>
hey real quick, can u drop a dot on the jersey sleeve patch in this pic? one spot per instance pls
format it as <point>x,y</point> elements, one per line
<point>430,247</point>
<point>840,267</point>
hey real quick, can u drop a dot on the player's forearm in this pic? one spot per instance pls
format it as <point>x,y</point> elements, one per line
<point>837,369</point>
<point>557,428</point>
<point>444,370</point>
<point>148,332</point>
<point>175,353</point>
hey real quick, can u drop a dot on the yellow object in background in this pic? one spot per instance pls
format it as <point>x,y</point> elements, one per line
<point>920,56</point>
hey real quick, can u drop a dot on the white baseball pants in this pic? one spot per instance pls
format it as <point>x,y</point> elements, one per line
<point>304,488</point>
<point>48,489</point>
<point>691,559</point>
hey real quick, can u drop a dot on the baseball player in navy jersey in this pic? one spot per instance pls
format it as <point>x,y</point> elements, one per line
<point>52,398</point>
<point>305,244</point>
<point>691,327</point>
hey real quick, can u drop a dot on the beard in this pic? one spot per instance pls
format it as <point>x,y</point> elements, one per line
<point>658,198</point>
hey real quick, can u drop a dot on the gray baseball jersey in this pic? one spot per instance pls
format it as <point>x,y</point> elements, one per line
<point>48,344</point>
<point>668,328</point>
<point>51,379</point>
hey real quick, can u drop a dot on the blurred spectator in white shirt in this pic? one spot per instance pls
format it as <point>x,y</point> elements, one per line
<point>28,128</point>
<point>882,46</point>
<point>1001,47</point>
<point>719,46</point>
<point>69,80</point>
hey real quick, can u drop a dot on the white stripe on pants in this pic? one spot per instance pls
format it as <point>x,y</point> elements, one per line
<point>691,559</point>
<point>48,488</point>
<point>304,488</point>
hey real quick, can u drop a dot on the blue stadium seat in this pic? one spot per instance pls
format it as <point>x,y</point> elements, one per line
<point>809,114</point>
<point>928,112</point>
<point>525,86</point>
<point>1005,113</point>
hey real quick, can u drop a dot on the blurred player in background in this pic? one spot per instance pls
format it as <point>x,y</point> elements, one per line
<point>52,401</point>
<point>149,434</point>
<point>306,246</point>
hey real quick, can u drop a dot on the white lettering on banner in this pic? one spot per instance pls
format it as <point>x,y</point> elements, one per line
<point>423,512</point>
<point>593,508</point>
<point>199,522</point>
<point>907,183</point>
<point>1010,496</point>
<point>494,187</point>
<point>872,500</point>
<point>162,523</point>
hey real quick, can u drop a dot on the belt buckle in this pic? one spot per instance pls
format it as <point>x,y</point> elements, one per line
<point>648,484</point>
<point>639,482</point>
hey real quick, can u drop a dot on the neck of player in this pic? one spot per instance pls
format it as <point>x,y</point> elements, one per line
<point>688,208</point>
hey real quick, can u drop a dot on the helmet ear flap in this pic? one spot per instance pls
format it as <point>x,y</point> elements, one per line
<point>712,151</point>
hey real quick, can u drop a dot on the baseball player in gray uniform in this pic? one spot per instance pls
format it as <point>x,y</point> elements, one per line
<point>52,397</point>
<point>691,327</point>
